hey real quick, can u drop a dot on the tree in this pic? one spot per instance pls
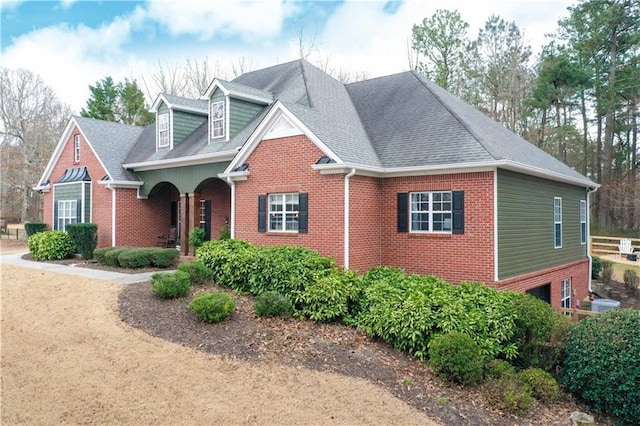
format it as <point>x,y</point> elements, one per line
<point>121,102</point>
<point>441,40</point>
<point>32,121</point>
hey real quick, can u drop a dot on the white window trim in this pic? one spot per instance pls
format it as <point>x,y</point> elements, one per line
<point>583,222</point>
<point>76,148</point>
<point>565,293</point>
<point>168,131</point>
<point>557,220</point>
<point>283,212</point>
<point>430,213</point>
<point>65,206</point>
<point>223,120</point>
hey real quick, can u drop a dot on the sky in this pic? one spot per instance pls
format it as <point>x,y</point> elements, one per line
<point>73,44</point>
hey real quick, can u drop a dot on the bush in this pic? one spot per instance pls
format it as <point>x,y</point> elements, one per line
<point>213,307</point>
<point>607,272</point>
<point>32,228</point>
<point>602,367</point>
<point>196,237</point>
<point>111,257</point>
<point>225,234</point>
<point>198,272</point>
<point>230,261</point>
<point>163,257</point>
<point>457,358</point>
<point>169,285</point>
<point>499,368</point>
<point>631,281</point>
<point>543,385</point>
<point>509,394</point>
<point>50,245</point>
<point>329,297</point>
<point>596,267</point>
<point>100,253</point>
<point>85,238</point>
<point>134,258</point>
<point>272,304</point>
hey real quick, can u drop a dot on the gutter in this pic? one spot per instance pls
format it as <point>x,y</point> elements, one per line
<point>232,220</point>
<point>346,217</point>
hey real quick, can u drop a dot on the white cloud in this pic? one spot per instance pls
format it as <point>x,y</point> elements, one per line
<point>206,19</point>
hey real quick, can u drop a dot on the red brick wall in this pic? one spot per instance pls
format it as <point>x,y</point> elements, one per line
<point>464,257</point>
<point>578,272</point>
<point>365,226</point>
<point>284,165</point>
<point>139,222</point>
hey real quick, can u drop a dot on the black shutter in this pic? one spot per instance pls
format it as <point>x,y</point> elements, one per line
<point>262,213</point>
<point>403,212</point>
<point>303,208</point>
<point>207,220</point>
<point>458,212</point>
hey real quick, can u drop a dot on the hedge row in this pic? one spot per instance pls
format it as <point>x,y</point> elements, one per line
<point>137,257</point>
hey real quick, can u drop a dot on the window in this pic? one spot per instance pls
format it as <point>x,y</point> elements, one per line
<point>76,148</point>
<point>163,130</point>
<point>583,222</point>
<point>431,212</point>
<point>557,222</point>
<point>67,213</point>
<point>217,119</point>
<point>566,293</point>
<point>284,212</point>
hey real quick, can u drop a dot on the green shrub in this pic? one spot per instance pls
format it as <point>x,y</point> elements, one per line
<point>100,253</point>
<point>50,245</point>
<point>225,234</point>
<point>230,261</point>
<point>543,385</point>
<point>287,270</point>
<point>198,272</point>
<point>457,358</point>
<point>602,367</point>
<point>196,237</point>
<point>329,297</point>
<point>111,257</point>
<point>607,272</point>
<point>213,307</point>
<point>499,368</point>
<point>272,304</point>
<point>135,258</point>
<point>169,285</point>
<point>631,281</point>
<point>596,267</point>
<point>163,257</point>
<point>32,228</point>
<point>85,238</point>
<point>509,394</point>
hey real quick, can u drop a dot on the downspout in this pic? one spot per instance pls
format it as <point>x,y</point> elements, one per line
<point>113,215</point>
<point>346,217</point>
<point>589,241</point>
<point>232,225</point>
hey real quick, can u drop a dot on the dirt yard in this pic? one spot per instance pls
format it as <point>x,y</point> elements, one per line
<point>67,358</point>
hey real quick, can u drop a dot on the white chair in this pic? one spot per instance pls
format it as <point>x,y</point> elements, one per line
<point>624,247</point>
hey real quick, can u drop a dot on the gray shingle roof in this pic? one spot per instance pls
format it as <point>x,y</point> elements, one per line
<point>178,101</point>
<point>111,142</point>
<point>247,90</point>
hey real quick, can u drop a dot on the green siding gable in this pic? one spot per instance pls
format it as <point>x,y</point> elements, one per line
<point>242,112</point>
<point>185,179</point>
<point>526,227</point>
<point>184,124</point>
<point>73,191</point>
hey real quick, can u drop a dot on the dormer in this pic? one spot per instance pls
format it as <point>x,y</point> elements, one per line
<point>231,107</point>
<point>177,118</point>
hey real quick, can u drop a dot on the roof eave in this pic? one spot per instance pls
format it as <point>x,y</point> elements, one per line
<point>191,160</point>
<point>121,183</point>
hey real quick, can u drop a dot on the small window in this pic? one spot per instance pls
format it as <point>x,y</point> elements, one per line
<point>217,119</point>
<point>557,222</point>
<point>163,130</point>
<point>284,212</point>
<point>67,213</point>
<point>583,222</point>
<point>76,148</point>
<point>566,293</point>
<point>431,212</point>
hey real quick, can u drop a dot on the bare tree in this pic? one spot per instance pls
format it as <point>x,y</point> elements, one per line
<point>32,120</point>
<point>242,65</point>
<point>167,78</point>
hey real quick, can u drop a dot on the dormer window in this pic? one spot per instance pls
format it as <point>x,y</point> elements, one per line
<point>217,119</point>
<point>163,130</point>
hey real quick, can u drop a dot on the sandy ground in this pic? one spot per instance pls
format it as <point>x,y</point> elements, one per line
<point>67,358</point>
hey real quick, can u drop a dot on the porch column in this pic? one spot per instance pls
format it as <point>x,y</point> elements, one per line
<point>194,214</point>
<point>184,224</point>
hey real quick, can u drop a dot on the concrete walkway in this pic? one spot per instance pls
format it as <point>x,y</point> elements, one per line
<point>116,277</point>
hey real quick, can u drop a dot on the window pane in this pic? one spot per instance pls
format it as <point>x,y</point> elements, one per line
<point>291,221</point>
<point>442,221</point>
<point>419,221</point>
<point>275,222</point>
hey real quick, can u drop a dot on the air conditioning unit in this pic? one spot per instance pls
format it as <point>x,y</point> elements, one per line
<point>601,305</point>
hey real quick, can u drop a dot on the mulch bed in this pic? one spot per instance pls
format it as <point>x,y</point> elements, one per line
<point>332,348</point>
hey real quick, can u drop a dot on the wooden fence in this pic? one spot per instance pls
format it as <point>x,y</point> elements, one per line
<point>577,314</point>
<point>599,245</point>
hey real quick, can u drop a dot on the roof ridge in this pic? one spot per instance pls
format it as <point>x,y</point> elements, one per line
<point>453,113</point>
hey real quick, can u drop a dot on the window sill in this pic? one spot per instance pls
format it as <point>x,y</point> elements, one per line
<point>430,235</point>
<point>282,234</point>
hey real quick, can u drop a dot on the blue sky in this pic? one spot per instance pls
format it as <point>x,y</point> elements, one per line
<point>72,44</point>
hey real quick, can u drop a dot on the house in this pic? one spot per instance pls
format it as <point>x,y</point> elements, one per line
<point>387,171</point>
